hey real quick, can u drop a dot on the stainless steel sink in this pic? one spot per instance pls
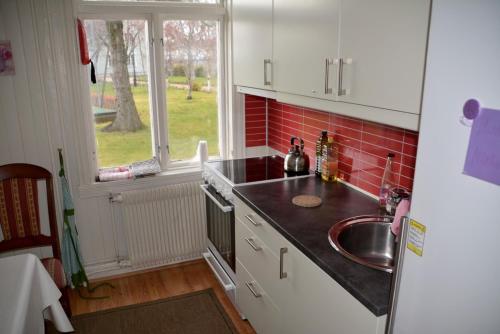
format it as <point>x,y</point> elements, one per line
<point>366,240</point>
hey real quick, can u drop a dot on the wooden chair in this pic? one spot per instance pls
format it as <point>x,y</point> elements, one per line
<point>20,218</point>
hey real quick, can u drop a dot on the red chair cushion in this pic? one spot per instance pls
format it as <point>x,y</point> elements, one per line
<point>19,216</point>
<point>56,271</point>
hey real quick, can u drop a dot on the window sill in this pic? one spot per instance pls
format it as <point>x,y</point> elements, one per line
<point>172,176</point>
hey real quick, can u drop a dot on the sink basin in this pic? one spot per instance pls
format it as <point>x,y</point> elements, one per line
<point>366,240</point>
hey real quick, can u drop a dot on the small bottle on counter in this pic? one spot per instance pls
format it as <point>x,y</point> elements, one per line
<point>394,197</point>
<point>322,140</point>
<point>388,181</point>
<point>329,161</point>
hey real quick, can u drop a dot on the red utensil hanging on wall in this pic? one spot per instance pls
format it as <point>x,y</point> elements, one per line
<point>84,50</point>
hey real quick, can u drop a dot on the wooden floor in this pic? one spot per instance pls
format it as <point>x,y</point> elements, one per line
<point>157,284</point>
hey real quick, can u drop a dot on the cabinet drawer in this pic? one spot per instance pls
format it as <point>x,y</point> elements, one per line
<point>261,263</point>
<point>256,305</point>
<point>259,227</point>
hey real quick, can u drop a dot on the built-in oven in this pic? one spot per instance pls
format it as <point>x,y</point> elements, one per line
<point>221,255</point>
<point>220,177</point>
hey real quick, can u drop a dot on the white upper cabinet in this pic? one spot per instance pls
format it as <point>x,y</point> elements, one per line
<point>305,44</point>
<point>360,58</point>
<point>383,46</point>
<point>253,43</point>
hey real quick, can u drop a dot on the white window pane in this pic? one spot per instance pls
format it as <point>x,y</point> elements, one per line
<point>190,55</point>
<point>120,99</point>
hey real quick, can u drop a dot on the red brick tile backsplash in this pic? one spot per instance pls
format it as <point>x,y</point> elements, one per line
<point>255,120</point>
<point>363,145</point>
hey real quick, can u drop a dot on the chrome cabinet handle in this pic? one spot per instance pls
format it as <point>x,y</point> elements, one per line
<point>328,62</point>
<point>340,91</point>
<point>266,81</point>
<point>283,274</point>
<point>251,220</point>
<point>252,244</point>
<point>251,287</point>
<point>342,62</point>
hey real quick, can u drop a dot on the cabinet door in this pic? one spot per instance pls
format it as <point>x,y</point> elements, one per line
<point>320,305</point>
<point>386,43</point>
<point>256,304</point>
<point>252,43</point>
<point>305,36</point>
<point>289,293</point>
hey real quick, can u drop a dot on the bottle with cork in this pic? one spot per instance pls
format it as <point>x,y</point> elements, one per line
<point>329,161</point>
<point>322,140</point>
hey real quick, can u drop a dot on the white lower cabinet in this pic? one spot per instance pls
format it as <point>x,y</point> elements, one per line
<point>318,304</point>
<point>282,291</point>
<point>256,303</point>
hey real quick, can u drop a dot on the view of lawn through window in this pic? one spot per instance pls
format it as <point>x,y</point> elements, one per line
<point>190,53</point>
<point>121,99</point>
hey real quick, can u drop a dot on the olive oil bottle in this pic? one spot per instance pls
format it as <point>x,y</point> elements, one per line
<point>322,140</point>
<point>329,161</point>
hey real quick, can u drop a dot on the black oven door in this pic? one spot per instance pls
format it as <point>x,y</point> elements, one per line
<point>220,224</point>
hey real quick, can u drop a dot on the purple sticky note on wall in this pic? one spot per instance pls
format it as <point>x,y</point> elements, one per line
<point>483,155</point>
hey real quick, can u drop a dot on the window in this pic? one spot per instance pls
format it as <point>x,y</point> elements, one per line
<point>158,87</point>
<point>120,99</point>
<point>190,55</point>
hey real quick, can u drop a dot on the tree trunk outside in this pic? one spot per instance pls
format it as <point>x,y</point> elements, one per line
<point>133,66</point>
<point>189,74</point>
<point>127,119</point>
<point>189,70</point>
<point>101,101</point>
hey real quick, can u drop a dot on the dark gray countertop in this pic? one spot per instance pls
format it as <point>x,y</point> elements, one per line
<point>307,229</point>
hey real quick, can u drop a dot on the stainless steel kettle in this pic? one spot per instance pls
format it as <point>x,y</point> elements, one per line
<point>296,161</point>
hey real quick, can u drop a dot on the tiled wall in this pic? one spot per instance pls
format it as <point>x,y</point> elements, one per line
<point>255,120</point>
<point>363,145</point>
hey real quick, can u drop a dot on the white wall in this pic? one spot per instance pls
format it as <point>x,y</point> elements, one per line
<point>23,122</point>
<point>42,109</point>
<point>39,112</point>
<point>454,288</point>
<point>32,100</point>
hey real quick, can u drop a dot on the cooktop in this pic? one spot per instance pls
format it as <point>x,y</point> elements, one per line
<point>247,170</point>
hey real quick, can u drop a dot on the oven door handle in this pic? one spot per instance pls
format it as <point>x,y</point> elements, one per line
<point>227,208</point>
<point>221,275</point>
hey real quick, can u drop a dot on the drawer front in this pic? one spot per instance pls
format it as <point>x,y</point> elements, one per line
<point>259,227</point>
<point>256,305</point>
<point>258,259</point>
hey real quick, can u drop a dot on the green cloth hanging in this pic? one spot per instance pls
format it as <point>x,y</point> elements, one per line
<point>71,255</point>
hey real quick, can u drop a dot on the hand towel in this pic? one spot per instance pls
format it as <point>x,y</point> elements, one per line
<point>401,210</point>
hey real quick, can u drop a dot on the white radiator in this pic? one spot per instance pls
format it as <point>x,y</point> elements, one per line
<point>164,225</point>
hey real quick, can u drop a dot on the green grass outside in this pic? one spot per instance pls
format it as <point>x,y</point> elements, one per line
<point>202,81</point>
<point>183,80</point>
<point>189,121</point>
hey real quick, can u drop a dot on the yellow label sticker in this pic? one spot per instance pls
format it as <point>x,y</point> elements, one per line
<point>416,236</point>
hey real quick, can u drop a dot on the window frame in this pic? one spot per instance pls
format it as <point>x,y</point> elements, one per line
<point>155,13</point>
<point>159,19</point>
